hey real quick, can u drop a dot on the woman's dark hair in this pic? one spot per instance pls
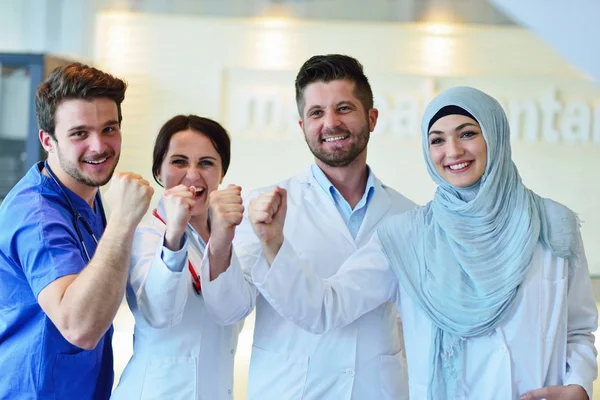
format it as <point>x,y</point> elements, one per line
<point>204,126</point>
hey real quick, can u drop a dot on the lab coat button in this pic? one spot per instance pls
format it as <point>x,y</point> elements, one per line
<point>229,391</point>
<point>350,372</point>
<point>232,351</point>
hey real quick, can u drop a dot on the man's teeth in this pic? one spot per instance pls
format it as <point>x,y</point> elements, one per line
<point>199,192</point>
<point>96,161</point>
<point>333,139</point>
<point>459,166</point>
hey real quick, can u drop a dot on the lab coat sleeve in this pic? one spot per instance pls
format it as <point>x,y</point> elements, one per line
<point>317,305</point>
<point>159,278</point>
<point>230,297</point>
<point>582,367</point>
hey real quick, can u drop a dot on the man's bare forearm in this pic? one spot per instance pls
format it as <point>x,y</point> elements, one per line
<point>92,299</point>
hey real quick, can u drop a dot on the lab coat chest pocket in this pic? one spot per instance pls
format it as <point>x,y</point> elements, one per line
<point>394,381</point>
<point>170,378</point>
<point>84,366</point>
<point>554,294</point>
<point>289,371</point>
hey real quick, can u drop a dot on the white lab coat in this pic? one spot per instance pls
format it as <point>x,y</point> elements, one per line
<point>180,349</point>
<point>545,340</point>
<point>363,360</point>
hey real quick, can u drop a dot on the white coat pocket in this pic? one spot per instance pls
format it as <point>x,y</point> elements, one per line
<point>172,378</point>
<point>394,376</point>
<point>288,371</point>
<point>554,292</point>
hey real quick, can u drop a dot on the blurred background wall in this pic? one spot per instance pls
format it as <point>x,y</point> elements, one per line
<point>235,61</point>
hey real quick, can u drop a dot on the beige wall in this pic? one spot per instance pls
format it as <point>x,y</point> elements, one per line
<point>241,73</point>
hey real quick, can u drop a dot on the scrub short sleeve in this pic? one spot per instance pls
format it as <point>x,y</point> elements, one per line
<point>48,247</point>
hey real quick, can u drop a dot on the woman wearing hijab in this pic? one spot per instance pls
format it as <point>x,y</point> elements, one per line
<point>490,279</point>
<point>182,349</point>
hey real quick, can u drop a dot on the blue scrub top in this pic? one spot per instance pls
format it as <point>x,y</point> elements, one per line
<point>39,244</point>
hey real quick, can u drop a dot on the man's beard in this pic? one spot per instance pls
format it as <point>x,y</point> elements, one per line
<point>340,157</point>
<point>76,173</point>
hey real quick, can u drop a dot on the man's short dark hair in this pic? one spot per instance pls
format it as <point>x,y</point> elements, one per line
<point>332,67</point>
<point>74,81</point>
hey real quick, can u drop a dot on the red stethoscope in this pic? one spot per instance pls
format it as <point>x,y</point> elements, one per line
<point>195,278</point>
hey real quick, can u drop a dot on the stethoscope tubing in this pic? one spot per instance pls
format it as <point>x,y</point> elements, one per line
<point>77,215</point>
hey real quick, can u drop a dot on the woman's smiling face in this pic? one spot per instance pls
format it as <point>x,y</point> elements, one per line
<point>458,150</point>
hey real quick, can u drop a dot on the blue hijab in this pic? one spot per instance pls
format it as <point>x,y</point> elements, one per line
<point>462,256</point>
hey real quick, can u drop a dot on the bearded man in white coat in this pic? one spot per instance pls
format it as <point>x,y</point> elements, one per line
<point>333,208</point>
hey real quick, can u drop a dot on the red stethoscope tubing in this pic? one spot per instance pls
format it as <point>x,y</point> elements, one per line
<point>196,281</point>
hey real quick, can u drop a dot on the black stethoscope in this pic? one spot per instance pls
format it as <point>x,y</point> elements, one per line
<point>77,217</point>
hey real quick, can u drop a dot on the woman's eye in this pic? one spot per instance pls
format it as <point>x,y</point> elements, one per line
<point>469,134</point>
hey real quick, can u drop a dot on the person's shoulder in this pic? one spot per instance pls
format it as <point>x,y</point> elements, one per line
<point>559,213</point>
<point>30,216</point>
<point>30,191</point>
<point>27,200</point>
<point>559,220</point>
<point>415,213</point>
<point>25,186</point>
<point>150,223</point>
<point>403,229</point>
<point>554,207</point>
<point>398,199</point>
<point>149,230</point>
<point>406,225</point>
<point>290,184</point>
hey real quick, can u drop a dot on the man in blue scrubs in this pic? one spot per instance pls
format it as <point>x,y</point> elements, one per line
<point>61,284</point>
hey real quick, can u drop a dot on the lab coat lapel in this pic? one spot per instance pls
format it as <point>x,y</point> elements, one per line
<point>322,203</point>
<point>377,208</point>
